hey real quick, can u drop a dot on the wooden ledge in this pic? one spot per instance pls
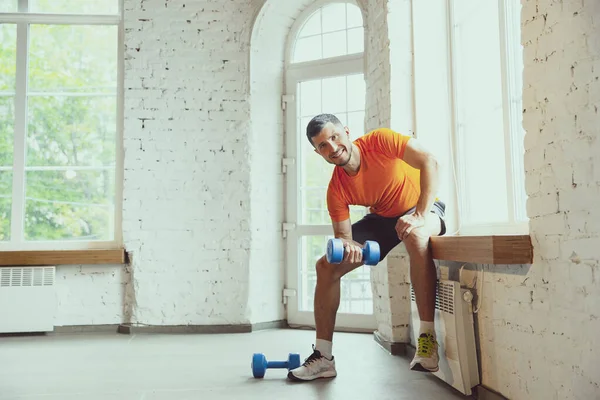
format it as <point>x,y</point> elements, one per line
<point>500,249</point>
<point>63,257</point>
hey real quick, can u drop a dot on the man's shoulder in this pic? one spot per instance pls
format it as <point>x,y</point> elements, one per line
<point>378,134</point>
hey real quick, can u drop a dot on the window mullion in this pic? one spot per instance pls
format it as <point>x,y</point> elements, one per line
<point>23,6</point>
<point>20,133</point>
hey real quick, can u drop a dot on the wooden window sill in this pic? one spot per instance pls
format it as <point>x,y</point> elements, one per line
<point>63,257</point>
<point>496,249</point>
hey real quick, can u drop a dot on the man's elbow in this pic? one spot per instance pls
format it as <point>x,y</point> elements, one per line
<point>431,163</point>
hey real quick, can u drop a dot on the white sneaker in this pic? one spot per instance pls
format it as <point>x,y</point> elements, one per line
<point>426,358</point>
<point>314,367</point>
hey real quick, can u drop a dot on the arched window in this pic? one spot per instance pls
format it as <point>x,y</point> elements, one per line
<point>324,73</point>
<point>333,30</point>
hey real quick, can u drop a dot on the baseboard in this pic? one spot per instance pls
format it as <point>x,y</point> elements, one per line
<point>484,393</point>
<point>177,329</point>
<point>279,324</point>
<point>85,328</point>
<point>203,329</point>
<point>394,348</point>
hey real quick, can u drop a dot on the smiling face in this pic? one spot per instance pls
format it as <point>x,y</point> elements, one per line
<point>333,144</point>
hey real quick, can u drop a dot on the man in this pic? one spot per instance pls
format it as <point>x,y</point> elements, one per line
<point>397,178</point>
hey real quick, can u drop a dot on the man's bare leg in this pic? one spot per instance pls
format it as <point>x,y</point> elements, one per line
<point>327,295</point>
<point>321,364</point>
<point>423,277</point>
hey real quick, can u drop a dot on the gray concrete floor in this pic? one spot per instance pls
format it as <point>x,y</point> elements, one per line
<point>110,366</point>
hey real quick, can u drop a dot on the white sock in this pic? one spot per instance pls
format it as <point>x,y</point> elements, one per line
<point>324,347</point>
<point>427,327</point>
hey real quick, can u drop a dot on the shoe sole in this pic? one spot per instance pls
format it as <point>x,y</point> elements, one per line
<point>323,376</point>
<point>419,367</point>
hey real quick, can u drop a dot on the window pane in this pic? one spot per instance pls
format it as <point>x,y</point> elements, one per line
<point>480,112</point>
<point>71,130</point>
<point>334,95</point>
<point>315,176</point>
<point>356,92</point>
<point>334,17</point>
<point>325,33</point>
<point>310,98</point>
<point>5,204</point>
<point>356,123</point>
<point>308,49</point>
<point>8,51</point>
<point>67,58</point>
<point>70,204</point>
<point>74,121</point>
<point>8,6</point>
<point>312,26</point>
<point>71,123</point>
<point>356,43</point>
<point>354,16</point>
<point>356,295</point>
<point>334,44</point>
<point>75,7</point>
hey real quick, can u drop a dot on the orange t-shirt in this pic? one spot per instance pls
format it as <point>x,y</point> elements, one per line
<point>385,183</point>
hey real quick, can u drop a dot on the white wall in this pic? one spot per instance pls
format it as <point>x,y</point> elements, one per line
<point>267,256</point>
<point>539,324</point>
<point>187,199</point>
<point>90,294</point>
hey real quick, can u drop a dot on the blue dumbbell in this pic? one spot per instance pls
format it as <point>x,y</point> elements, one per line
<point>335,252</point>
<point>260,364</point>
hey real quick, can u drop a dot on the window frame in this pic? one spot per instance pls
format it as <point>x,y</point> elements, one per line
<point>22,19</point>
<point>517,222</point>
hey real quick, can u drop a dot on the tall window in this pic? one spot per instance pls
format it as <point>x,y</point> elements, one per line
<point>59,124</point>
<point>324,74</point>
<point>487,85</point>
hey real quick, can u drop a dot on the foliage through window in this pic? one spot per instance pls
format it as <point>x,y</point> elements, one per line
<point>59,124</point>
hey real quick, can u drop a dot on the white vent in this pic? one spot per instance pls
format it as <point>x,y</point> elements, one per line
<point>27,299</point>
<point>444,300</point>
<point>27,276</point>
<point>455,335</point>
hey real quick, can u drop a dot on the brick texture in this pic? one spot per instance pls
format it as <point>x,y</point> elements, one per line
<point>537,323</point>
<point>187,190</point>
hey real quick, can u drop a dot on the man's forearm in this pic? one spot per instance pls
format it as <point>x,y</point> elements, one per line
<point>429,186</point>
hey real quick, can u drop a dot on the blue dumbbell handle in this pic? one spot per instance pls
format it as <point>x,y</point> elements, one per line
<point>277,364</point>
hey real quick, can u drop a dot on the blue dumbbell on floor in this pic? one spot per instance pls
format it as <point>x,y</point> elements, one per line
<point>335,252</point>
<point>260,364</point>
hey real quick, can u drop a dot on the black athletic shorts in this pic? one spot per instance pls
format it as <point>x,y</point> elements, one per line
<point>383,229</point>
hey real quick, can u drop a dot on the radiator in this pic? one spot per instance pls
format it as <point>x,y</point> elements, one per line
<point>27,299</point>
<point>455,335</point>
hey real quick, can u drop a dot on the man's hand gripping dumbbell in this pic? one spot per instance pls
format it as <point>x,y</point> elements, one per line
<point>339,250</point>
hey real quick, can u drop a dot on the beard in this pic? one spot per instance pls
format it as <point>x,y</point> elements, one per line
<point>343,162</point>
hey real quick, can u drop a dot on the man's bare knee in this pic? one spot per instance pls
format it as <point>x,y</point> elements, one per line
<point>325,270</point>
<point>417,241</point>
<point>331,272</point>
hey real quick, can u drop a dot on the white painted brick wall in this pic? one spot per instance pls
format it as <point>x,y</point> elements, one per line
<point>538,323</point>
<point>378,114</point>
<point>267,264</point>
<point>90,294</point>
<point>187,202</point>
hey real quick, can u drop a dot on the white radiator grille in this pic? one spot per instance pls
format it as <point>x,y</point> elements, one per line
<point>444,301</point>
<point>27,276</point>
